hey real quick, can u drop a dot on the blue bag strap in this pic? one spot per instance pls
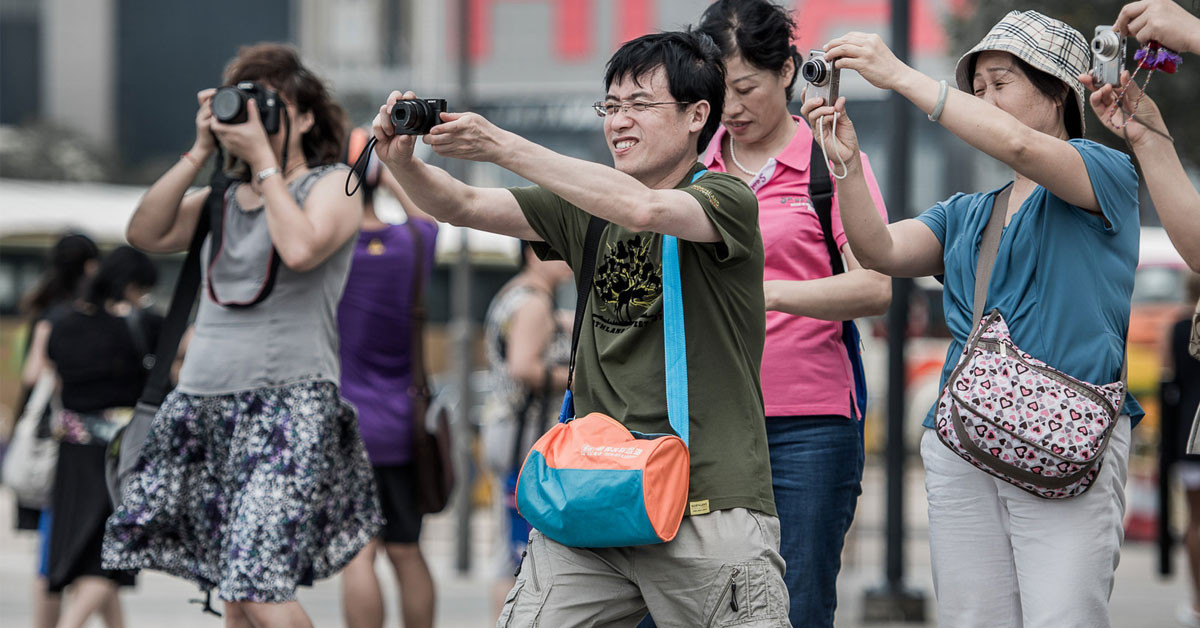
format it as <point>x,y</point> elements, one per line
<point>674,341</point>
<point>674,337</point>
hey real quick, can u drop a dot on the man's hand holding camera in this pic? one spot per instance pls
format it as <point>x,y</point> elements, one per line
<point>394,150</point>
<point>468,136</point>
<point>247,141</point>
<point>458,135</point>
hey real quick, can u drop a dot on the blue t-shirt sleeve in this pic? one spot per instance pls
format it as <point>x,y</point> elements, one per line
<point>935,219</point>
<point>938,217</point>
<point>1114,181</point>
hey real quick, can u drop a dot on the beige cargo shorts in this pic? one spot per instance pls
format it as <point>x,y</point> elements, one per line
<point>722,569</point>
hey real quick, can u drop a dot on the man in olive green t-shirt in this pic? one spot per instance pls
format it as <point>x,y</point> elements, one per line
<point>663,104</point>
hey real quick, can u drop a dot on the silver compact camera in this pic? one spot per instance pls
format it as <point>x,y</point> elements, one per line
<point>1108,56</point>
<point>822,75</point>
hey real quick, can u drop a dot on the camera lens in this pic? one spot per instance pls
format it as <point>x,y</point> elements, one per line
<point>410,114</point>
<point>1106,44</point>
<point>814,71</point>
<point>228,104</point>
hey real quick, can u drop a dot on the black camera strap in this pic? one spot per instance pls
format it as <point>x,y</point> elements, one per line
<point>287,138</point>
<point>359,169</point>
<point>820,190</point>
<point>158,383</point>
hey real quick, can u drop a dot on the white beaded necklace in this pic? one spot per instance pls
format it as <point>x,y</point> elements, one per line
<point>733,155</point>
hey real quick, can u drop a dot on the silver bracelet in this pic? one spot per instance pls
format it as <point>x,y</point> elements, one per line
<point>943,89</point>
<point>266,173</point>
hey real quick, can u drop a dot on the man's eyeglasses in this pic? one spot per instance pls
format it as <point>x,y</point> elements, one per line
<point>604,109</point>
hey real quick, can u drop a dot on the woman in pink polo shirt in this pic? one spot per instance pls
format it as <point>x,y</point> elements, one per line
<point>812,427</point>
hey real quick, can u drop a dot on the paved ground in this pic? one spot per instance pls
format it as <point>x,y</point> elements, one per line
<point>1140,600</point>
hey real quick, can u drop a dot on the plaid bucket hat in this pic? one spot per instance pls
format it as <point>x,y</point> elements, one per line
<point>1045,43</point>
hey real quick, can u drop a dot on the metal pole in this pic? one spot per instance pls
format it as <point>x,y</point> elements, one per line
<point>460,306</point>
<point>893,602</point>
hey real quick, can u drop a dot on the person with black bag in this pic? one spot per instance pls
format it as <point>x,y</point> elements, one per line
<point>252,478</point>
<point>378,320</point>
<point>814,390</point>
<point>527,348</point>
<point>101,352</point>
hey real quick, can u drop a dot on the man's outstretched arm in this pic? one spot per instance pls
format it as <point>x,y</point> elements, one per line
<point>597,189</point>
<point>445,198</point>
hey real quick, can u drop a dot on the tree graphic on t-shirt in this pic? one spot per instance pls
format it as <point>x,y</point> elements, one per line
<point>629,280</point>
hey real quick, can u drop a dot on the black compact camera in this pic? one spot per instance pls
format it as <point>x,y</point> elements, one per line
<point>822,75</point>
<point>417,117</point>
<point>1108,56</point>
<point>229,105</point>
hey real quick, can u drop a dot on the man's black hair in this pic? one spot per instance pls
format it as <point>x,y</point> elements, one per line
<point>760,30</point>
<point>693,66</point>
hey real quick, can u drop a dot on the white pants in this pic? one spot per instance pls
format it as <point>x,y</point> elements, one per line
<point>1004,558</point>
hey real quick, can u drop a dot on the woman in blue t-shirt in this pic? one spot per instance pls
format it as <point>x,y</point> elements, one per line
<point>1062,280</point>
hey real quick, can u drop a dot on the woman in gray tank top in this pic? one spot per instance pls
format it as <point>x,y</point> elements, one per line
<point>254,478</point>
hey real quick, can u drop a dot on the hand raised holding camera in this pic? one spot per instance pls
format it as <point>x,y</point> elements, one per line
<point>1105,95</point>
<point>205,142</point>
<point>840,143</point>
<point>866,54</point>
<point>394,149</point>
<point>1163,21</point>
<point>248,140</point>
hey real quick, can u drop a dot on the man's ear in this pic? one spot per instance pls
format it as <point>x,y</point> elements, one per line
<point>699,116</point>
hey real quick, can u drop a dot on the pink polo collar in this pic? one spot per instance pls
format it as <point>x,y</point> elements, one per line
<point>795,155</point>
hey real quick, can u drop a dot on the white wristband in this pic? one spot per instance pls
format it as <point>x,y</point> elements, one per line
<point>266,173</point>
<point>943,90</point>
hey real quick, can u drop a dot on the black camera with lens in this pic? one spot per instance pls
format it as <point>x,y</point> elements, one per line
<point>822,75</point>
<point>417,117</point>
<point>229,105</point>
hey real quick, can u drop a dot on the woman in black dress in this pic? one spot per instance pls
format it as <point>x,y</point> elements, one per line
<point>101,350</point>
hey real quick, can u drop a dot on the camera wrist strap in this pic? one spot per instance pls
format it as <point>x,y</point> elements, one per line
<point>825,152</point>
<point>359,169</point>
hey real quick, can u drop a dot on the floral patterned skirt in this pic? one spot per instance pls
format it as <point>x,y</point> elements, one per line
<point>251,493</point>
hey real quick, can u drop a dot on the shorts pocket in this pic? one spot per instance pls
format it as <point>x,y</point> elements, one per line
<point>745,594</point>
<point>523,604</point>
<point>510,601</point>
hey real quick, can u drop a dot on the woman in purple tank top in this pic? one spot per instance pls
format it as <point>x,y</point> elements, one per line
<point>375,321</point>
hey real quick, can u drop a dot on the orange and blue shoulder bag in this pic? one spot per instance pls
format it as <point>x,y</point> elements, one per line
<point>590,481</point>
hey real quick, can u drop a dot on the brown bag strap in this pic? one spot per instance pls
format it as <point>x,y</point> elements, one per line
<point>419,389</point>
<point>989,245</point>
